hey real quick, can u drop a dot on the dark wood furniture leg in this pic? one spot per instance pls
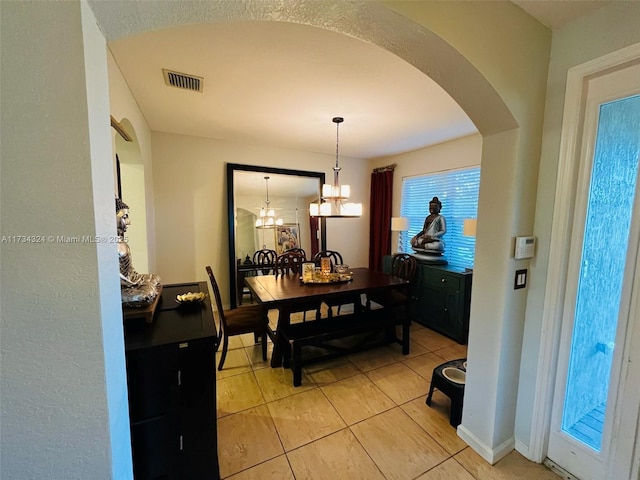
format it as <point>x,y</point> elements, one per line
<point>281,351</point>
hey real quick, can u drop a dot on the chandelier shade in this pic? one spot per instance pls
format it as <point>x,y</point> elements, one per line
<point>267,216</point>
<point>334,195</point>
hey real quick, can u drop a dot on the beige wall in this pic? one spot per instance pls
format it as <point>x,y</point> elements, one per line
<point>63,384</point>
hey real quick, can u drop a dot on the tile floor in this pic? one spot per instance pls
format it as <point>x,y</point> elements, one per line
<point>361,416</point>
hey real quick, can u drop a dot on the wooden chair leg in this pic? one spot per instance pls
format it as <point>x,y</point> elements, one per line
<point>264,346</point>
<point>223,356</point>
<point>296,364</point>
<point>406,328</point>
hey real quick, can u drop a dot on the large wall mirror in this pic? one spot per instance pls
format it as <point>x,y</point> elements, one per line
<point>290,192</point>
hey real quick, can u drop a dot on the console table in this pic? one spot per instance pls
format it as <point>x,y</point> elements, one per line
<point>172,389</point>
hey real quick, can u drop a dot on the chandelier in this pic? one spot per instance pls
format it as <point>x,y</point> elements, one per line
<point>267,215</point>
<point>334,196</point>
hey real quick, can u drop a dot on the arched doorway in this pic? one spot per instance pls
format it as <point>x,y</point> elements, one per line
<point>494,340</point>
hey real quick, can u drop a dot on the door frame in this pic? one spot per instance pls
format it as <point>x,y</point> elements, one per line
<point>565,194</point>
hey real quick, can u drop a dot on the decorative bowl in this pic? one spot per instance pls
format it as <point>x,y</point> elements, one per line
<point>191,297</point>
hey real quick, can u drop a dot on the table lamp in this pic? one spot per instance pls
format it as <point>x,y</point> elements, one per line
<point>399,224</point>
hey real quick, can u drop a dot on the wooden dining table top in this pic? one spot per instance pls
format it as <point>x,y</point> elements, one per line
<point>272,290</point>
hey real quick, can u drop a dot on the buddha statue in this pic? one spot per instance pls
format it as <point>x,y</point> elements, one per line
<point>428,240</point>
<point>137,289</point>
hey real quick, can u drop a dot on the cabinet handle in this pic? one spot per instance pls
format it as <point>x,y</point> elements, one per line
<point>179,377</point>
<point>183,345</point>
<point>181,443</point>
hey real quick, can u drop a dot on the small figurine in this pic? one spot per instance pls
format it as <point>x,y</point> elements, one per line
<point>137,289</point>
<point>428,240</point>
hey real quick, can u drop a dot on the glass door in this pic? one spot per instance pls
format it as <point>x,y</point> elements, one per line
<point>602,269</point>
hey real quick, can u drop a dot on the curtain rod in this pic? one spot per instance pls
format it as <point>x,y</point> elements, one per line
<point>385,169</point>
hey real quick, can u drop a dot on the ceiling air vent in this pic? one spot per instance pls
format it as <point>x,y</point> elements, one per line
<point>182,80</point>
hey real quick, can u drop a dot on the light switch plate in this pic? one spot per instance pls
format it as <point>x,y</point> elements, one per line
<point>520,280</point>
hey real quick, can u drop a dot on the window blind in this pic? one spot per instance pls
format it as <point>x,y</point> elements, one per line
<point>458,192</point>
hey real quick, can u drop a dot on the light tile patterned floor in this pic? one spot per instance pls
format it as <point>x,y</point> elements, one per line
<point>361,416</point>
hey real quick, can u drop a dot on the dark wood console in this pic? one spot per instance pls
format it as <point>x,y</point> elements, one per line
<point>172,389</point>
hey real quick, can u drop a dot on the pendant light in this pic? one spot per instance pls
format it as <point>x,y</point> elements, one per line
<point>267,215</point>
<point>334,195</point>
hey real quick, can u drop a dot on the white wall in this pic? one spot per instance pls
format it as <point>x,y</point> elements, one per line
<point>133,194</point>
<point>63,384</point>
<point>125,109</point>
<point>191,203</point>
<point>606,30</point>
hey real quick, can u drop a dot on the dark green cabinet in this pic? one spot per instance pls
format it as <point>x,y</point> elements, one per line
<point>172,390</point>
<point>441,298</point>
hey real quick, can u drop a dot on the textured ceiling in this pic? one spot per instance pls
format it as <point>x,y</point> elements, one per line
<point>279,83</point>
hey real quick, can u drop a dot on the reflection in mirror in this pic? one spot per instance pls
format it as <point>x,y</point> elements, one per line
<point>290,193</point>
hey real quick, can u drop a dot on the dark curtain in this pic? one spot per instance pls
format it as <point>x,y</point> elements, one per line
<point>380,222</point>
<point>313,228</point>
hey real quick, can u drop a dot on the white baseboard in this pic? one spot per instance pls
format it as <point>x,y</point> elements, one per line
<point>491,455</point>
<point>523,449</point>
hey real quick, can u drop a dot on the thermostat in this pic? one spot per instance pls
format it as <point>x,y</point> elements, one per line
<point>525,247</point>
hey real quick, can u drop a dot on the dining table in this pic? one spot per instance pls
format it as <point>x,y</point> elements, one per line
<point>284,292</point>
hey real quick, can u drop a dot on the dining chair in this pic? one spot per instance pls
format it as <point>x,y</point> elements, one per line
<point>332,255</point>
<point>242,273</point>
<point>403,266</point>
<point>336,259</point>
<point>290,262</point>
<point>266,258</point>
<point>238,321</point>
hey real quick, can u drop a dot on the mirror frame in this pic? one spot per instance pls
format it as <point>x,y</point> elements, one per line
<point>231,169</point>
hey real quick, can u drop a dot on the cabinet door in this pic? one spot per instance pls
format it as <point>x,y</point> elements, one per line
<point>199,456</point>
<point>197,409</point>
<point>152,381</point>
<point>196,375</point>
<point>155,447</point>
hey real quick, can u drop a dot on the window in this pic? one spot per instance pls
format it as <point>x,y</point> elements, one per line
<point>458,192</point>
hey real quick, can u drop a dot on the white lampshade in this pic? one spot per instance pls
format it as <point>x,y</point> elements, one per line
<point>335,209</point>
<point>399,224</point>
<point>335,192</point>
<point>469,227</point>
